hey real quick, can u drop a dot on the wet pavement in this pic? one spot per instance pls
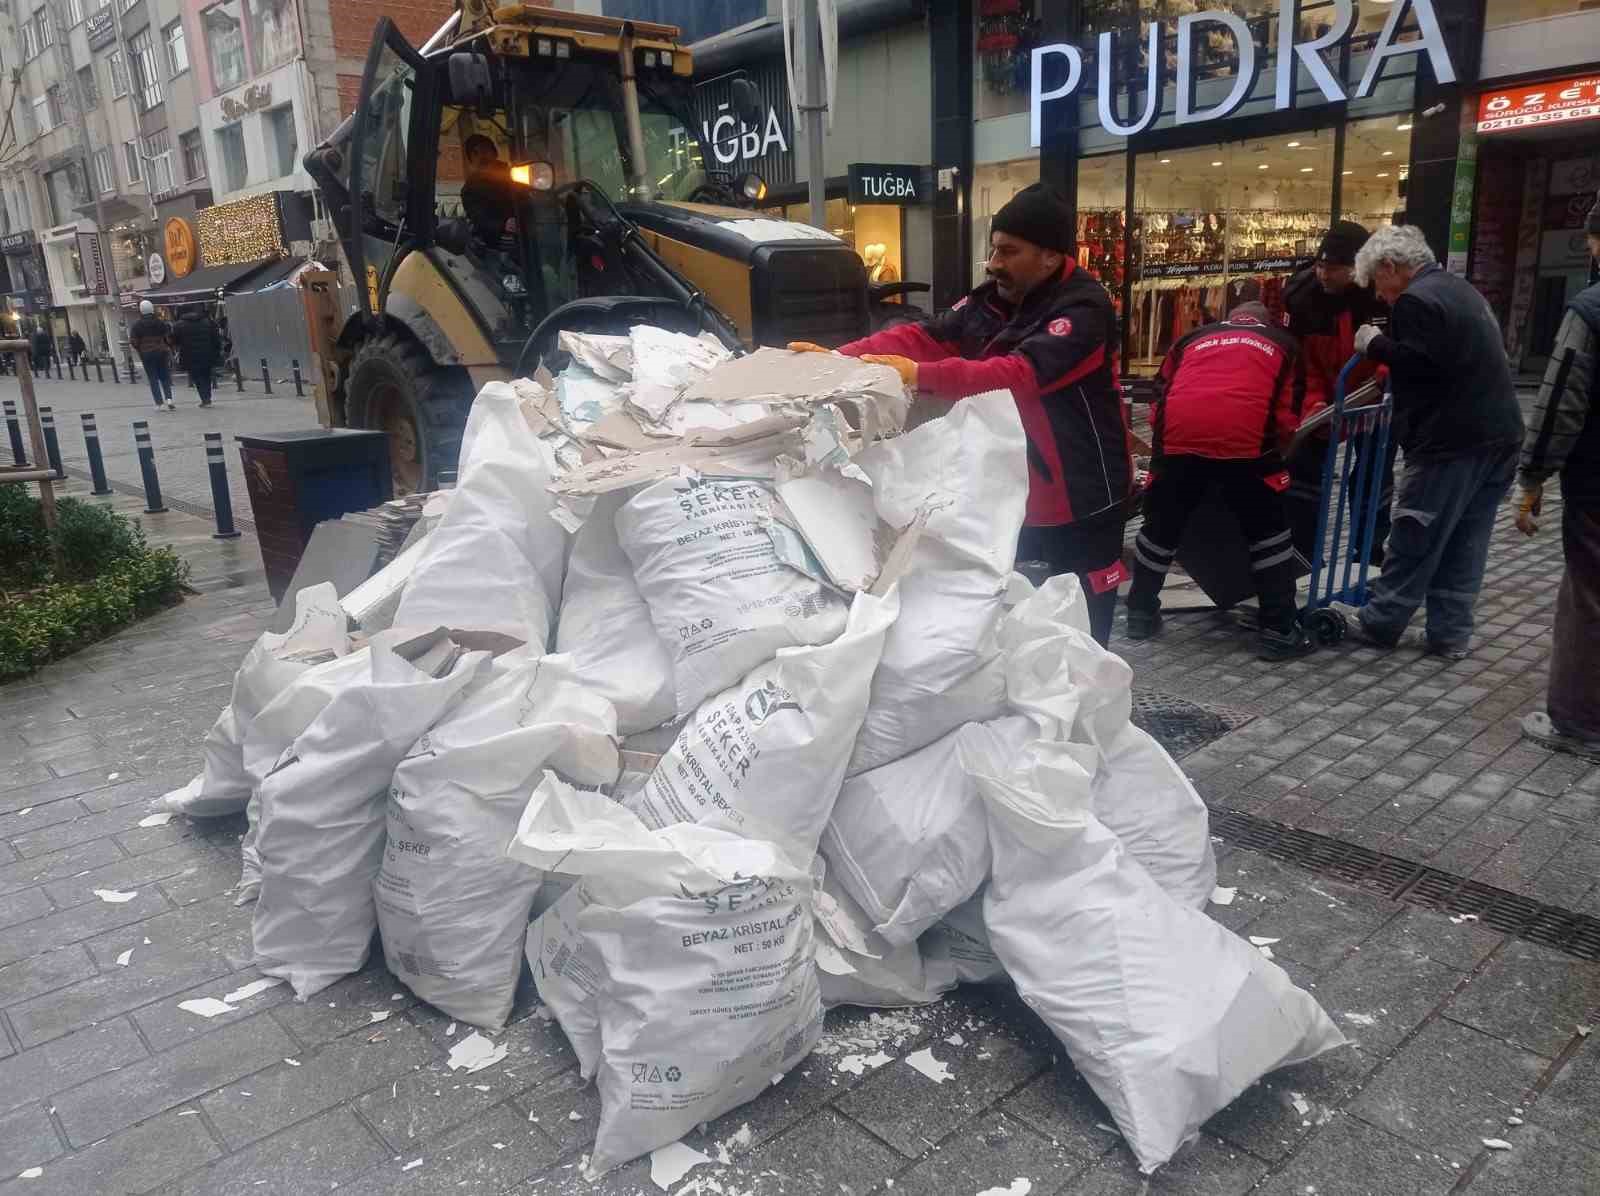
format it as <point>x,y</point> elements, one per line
<point>1459,1033</point>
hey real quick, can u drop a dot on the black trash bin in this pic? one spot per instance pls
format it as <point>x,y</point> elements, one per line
<point>298,479</point>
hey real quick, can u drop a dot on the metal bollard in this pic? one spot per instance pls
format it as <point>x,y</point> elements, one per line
<point>133,370</point>
<point>72,371</point>
<point>99,370</point>
<point>115,376</point>
<point>97,464</point>
<point>238,375</point>
<point>220,499</point>
<point>52,444</point>
<point>299,388</point>
<point>147,467</point>
<point>266,376</point>
<point>18,453</point>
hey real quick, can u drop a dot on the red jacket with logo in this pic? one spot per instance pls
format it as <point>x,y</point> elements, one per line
<point>1053,353</point>
<point>1232,391</point>
<point>1326,327</point>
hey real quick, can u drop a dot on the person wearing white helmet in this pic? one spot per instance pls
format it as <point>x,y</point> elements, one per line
<point>152,341</point>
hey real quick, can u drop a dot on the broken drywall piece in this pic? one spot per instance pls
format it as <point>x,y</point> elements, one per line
<point>124,958</point>
<point>205,1006</point>
<point>1496,1143</point>
<point>1223,895</point>
<point>1359,1019</point>
<point>450,1030</point>
<point>1301,1105</point>
<point>158,819</point>
<point>831,960</point>
<point>475,1052</point>
<point>1257,940</point>
<point>955,1040</point>
<point>374,1018</point>
<point>670,1163</point>
<point>115,896</point>
<point>1020,1186</point>
<point>412,1165</point>
<point>251,989</point>
<point>924,1062</point>
<point>1267,952</point>
<point>857,1065</point>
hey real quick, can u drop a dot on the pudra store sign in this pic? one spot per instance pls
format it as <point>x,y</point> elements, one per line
<point>1428,40</point>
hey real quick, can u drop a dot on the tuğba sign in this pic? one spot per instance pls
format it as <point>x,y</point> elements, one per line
<point>881,182</point>
<point>1541,104</point>
<point>1428,40</point>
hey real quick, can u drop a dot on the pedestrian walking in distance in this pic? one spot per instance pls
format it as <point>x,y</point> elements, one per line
<point>1226,412</point>
<point>152,341</point>
<point>1564,437</point>
<point>76,347</point>
<point>43,351</point>
<point>1044,330</point>
<point>1460,429</point>
<point>199,344</point>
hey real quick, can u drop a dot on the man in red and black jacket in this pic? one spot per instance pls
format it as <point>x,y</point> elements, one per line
<point>1231,391</point>
<point>1042,329</point>
<point>1325,307</point>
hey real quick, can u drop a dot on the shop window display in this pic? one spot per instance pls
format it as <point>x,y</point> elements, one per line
<point>872,230</point>
<point>1007,31</point>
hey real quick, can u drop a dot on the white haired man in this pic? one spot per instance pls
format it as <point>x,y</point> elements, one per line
<point>1459,426</point>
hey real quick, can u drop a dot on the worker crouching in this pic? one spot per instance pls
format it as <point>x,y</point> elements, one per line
<point>1231,393</point>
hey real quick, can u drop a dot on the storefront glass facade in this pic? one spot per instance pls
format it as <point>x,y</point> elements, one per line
<point>1182,219</point>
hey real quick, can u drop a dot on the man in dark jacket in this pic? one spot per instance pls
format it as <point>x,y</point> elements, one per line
<point>199,345</point>
<point>1227,409</point>
<point>42,352</point>
<point>1324,307</point>
<point>1459,425</point>
<point>1042,329</point>
<point>151,337</point>
<point>76,347</point>
<point>1564,437</point>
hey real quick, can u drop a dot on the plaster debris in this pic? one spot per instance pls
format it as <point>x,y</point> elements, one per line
<point>160,819</point>
<point>1359,1019</point>
<point>857,1065</point>
<point>1257,940</point>
<point>291,1062</point>
<point>574,1116</point>
<point>25,811</point>
<point>412,1165</point>
<point>1223,895</point>
<point>1513,1121</point>
<point>253,988</point>
<point>1497,1143</point>
<point>1583,1031</point>
<point>115,896</point>
<point>124,958</point>
<point>449,1031</point>
<point>1464,918</point>
<point>205,1006</point>
<point>31,1173</point>
<point>956,1040</point>
<point>924,1062</point>
<point>374,1018</point>
<point>1018,1187</point>
<point>474,1053</point>
<point>1301,1105</point>
<point>672,1162</point>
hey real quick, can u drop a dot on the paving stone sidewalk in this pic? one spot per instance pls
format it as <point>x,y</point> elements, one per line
<point>107,1087</point>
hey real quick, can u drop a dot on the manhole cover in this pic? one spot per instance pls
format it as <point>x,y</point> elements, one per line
<point>1182,726</point>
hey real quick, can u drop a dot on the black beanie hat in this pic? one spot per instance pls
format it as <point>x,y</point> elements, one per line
<point>1038,214</point>
<point>1340,243</point>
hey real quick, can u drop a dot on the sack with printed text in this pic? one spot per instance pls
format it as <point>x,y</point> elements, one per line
<point>453,910</point>
<point>704,957</point>
<point>721,599</point>
<point>322,831</point>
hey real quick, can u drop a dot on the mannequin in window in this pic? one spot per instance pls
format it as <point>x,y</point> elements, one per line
<point>879,268</point>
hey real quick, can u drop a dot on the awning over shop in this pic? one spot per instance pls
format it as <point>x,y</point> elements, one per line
<point>212,281</point>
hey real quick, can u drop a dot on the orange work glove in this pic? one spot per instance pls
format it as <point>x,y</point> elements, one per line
<point>1527,507</point>
<point>904,366</point>
<point>806,347</point>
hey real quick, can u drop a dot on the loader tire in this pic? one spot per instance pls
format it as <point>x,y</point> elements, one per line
<point>394,387</point>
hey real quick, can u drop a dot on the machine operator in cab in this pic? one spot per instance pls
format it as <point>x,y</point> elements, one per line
<point>1042,329</point>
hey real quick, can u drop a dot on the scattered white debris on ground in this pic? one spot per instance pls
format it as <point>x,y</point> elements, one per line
<point>672,1162</point>
<point>205,1006</point>
<point>1359,1019</point>
<point>31,1173</point>
<point>125,957</point>
<point>1497,1143</point>
<point>412,1165</point>
<point>924,1062</point>
<point>252,989</point>
<point>115,896</point>
<point>160,818</point>
<point>1018,1187</point>
<point>857,1065</point>
<point>1223,895</point>
<point>955,1040</point>
<point>1301,1105</point>
<point>380,1016</point>
<point>475,1052</point>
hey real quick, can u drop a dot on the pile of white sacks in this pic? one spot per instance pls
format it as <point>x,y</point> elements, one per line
<point>741,713</point>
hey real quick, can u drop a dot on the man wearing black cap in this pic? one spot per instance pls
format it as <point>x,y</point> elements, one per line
<point>1042,329</point>
<point>1325,307</point>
